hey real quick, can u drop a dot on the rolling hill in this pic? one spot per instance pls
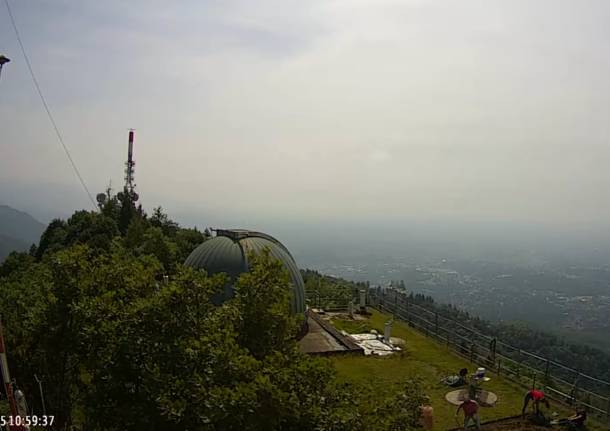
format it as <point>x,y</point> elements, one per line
<point>18,230</point>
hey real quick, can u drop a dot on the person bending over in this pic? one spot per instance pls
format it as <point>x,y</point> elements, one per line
<point>536,397</point>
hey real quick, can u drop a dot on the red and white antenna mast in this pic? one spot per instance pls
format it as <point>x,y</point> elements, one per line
<point>130,184</point>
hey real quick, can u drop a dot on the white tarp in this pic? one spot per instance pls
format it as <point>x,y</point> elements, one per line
<point>373,344</point>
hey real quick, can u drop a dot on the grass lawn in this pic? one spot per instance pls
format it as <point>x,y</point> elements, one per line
<point>430,361</point>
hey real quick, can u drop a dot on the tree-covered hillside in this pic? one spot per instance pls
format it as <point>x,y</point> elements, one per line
<point>124,337</point>
<point>581,357</point>
<point>9,244</point>
<point>18,230</point>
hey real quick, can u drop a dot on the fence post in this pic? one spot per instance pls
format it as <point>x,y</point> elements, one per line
<point>499,365</point>
<point>575,389</point>
<point>395,302</point>
<point>546,369</point>
<point>534,381</point>
<point>492,351</point>
<point>408,311</point>
<point>471,352</point>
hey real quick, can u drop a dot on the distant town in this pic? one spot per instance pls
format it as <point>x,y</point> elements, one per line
<point>571,301</point>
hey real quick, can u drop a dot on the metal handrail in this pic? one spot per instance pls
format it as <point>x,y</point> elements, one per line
<point>404,310</point>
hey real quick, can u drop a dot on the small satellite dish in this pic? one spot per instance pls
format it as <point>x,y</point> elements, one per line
<point>135,196</point>
<point>119,196</point>
<point>100,198</point>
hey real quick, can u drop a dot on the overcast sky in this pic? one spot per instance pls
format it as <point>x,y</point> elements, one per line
<point>315,110</point>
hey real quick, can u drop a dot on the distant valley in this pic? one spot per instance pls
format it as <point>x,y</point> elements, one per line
<point>568,293</point>
<point>18,230</point>
<point>569,300</point>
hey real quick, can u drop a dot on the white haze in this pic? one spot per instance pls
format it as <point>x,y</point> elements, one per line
<point>300,112</point>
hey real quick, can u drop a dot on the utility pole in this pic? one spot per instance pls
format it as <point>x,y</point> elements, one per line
<point>44,407</point>
<point>7,382</point>
<point>3,61</point>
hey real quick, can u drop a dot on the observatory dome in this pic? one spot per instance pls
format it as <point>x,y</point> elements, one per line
<point>228,252</point>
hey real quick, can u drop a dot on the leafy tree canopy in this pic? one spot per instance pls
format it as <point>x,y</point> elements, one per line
<point>120,346</point>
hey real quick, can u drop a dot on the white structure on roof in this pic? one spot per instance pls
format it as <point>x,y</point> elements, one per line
<point>374,344</point>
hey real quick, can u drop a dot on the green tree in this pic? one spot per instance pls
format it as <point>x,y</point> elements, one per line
<point>41,332</point>
<point>263,298</point>
<point>111,206</point>
<point>84,227</point>
<point>91,228</point>
<point>127,210</point>
<point>53,238</point>
<point>120,349</point>
<point>161,220</point>
<point>134,237</point>
<point>158,245</point>
<point>15,261</point>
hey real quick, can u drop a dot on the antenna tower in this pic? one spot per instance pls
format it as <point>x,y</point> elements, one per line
<point>130,184</point>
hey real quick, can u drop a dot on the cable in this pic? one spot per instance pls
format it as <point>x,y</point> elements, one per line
<point>46,106</point>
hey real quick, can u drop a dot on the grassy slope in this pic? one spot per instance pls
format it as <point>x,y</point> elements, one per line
<point>428,360</point>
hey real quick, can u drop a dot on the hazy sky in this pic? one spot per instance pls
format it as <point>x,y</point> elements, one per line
<point>315,110</point>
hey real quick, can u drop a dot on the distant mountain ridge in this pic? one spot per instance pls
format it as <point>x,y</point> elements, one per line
<point>18,230</point>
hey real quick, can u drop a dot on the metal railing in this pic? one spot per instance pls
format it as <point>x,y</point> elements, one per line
<point>329,303</point>
<point>561,383</point>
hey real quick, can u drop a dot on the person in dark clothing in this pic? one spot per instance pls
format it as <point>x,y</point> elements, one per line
<point>574,422</point>
<point>579,418</point>
<point>455,381</point>
<point>463,373</point>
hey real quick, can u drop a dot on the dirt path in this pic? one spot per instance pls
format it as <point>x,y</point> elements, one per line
<point>510,424</point>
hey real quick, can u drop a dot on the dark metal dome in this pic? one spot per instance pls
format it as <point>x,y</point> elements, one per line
<point>228,252</point>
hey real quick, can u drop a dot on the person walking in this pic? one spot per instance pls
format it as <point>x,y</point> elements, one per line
<point>471,413</point>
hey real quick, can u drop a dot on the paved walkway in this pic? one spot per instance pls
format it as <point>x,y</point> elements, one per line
<point>317,340</point>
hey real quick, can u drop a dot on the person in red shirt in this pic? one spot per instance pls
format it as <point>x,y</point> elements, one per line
<point>537,397</point>
<point>471,409</point>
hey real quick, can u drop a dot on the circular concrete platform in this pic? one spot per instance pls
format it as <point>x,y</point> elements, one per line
<point>484,398</point>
